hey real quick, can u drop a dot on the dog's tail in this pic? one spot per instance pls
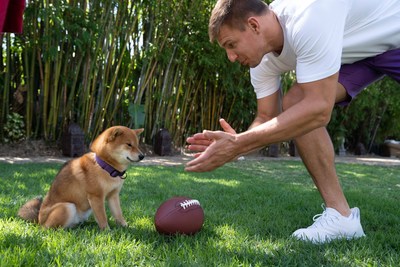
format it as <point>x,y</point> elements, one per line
<point>30,210</point>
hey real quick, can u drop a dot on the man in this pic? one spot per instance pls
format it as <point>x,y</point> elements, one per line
<point>336,47</point>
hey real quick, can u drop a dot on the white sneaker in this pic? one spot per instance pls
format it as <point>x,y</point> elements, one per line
<point>331,225</point>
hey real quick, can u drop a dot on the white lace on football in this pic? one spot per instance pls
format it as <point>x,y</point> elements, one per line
<point>188,203</point>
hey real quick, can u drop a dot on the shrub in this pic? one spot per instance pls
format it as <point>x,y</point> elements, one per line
<point>14,128</point>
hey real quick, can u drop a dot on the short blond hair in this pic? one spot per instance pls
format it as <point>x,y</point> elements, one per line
<point>233,13</point>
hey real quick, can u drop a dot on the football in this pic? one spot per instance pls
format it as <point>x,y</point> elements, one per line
<point>179,215</point>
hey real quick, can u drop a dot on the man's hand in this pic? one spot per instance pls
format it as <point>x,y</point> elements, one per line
<point>199,143</point>
<point>215,148</point>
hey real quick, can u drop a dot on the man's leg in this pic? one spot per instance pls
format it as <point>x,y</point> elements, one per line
<point>317,153</point>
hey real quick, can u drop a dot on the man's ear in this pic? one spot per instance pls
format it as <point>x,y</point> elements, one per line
<point>253,24</point>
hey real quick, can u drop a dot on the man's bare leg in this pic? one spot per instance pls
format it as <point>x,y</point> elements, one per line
<point>317,153</point>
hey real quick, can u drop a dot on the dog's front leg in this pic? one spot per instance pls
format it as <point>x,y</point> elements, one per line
<point>99,211</point>
<point>115,207</point>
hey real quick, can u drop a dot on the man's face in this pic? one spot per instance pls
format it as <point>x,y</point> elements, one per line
<point>242,46</point>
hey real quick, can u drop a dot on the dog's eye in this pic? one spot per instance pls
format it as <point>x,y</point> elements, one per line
<point>129,145</point>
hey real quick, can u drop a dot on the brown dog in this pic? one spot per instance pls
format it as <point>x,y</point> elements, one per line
<point>83,184</point>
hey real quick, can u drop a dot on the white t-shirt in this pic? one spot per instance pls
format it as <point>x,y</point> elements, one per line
<point>320,35</point>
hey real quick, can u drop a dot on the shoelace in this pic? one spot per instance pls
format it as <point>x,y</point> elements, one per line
<point>323,218</point>
<point>318,216</point>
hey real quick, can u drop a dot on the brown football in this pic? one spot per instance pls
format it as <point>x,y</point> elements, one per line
<point>179,215</point>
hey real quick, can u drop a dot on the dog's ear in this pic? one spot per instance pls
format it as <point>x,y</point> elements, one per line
<point>138,131</point>
<point>114,134</point>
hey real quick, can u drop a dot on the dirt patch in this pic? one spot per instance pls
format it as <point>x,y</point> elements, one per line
<point>32,148</point>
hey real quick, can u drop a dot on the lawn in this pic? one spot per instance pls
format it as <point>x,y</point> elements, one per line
<point>251,208</point>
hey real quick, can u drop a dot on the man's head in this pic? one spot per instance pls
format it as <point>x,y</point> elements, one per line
<point>233,13</point>
<point>246,29</point>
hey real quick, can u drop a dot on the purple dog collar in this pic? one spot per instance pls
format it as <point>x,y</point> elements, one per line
<point>108,168</point>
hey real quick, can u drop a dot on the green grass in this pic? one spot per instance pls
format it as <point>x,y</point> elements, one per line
<point>251,209</point>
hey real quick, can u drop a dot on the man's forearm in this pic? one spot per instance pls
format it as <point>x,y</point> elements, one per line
<point>294,122</point>
<point>257,121</point>
<point>264,114</point>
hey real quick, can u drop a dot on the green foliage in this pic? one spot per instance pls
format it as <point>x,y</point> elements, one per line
<point>136,112</point>
<point>93,62</point>
<point>14,128</point>
<point>89,62</point>
<point>251,208</point>
<point>336,128</point>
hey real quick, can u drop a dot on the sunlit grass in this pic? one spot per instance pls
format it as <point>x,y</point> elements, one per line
<point>251,209</point>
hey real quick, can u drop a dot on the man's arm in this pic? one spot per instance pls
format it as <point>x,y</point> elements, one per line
<point>267,108</point>
<point>311,112</point>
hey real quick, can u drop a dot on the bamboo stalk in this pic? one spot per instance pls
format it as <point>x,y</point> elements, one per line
<point>7,80</point>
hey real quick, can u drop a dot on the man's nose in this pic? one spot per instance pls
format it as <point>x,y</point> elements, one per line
<point>231,56</point>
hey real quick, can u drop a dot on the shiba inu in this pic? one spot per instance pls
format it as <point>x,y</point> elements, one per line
<point>84,184</point>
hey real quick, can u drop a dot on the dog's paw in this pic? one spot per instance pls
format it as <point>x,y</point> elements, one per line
<point>104,227</point>
<point>122,223</point>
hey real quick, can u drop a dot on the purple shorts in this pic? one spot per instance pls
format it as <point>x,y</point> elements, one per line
<point>358,75</point>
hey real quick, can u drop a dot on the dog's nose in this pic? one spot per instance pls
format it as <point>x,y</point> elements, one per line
<point>141,156</point>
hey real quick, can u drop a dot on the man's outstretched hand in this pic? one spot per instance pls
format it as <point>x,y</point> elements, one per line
<point>215,148</point>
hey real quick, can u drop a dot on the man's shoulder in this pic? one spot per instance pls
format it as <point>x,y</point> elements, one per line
<point>292,8</point>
